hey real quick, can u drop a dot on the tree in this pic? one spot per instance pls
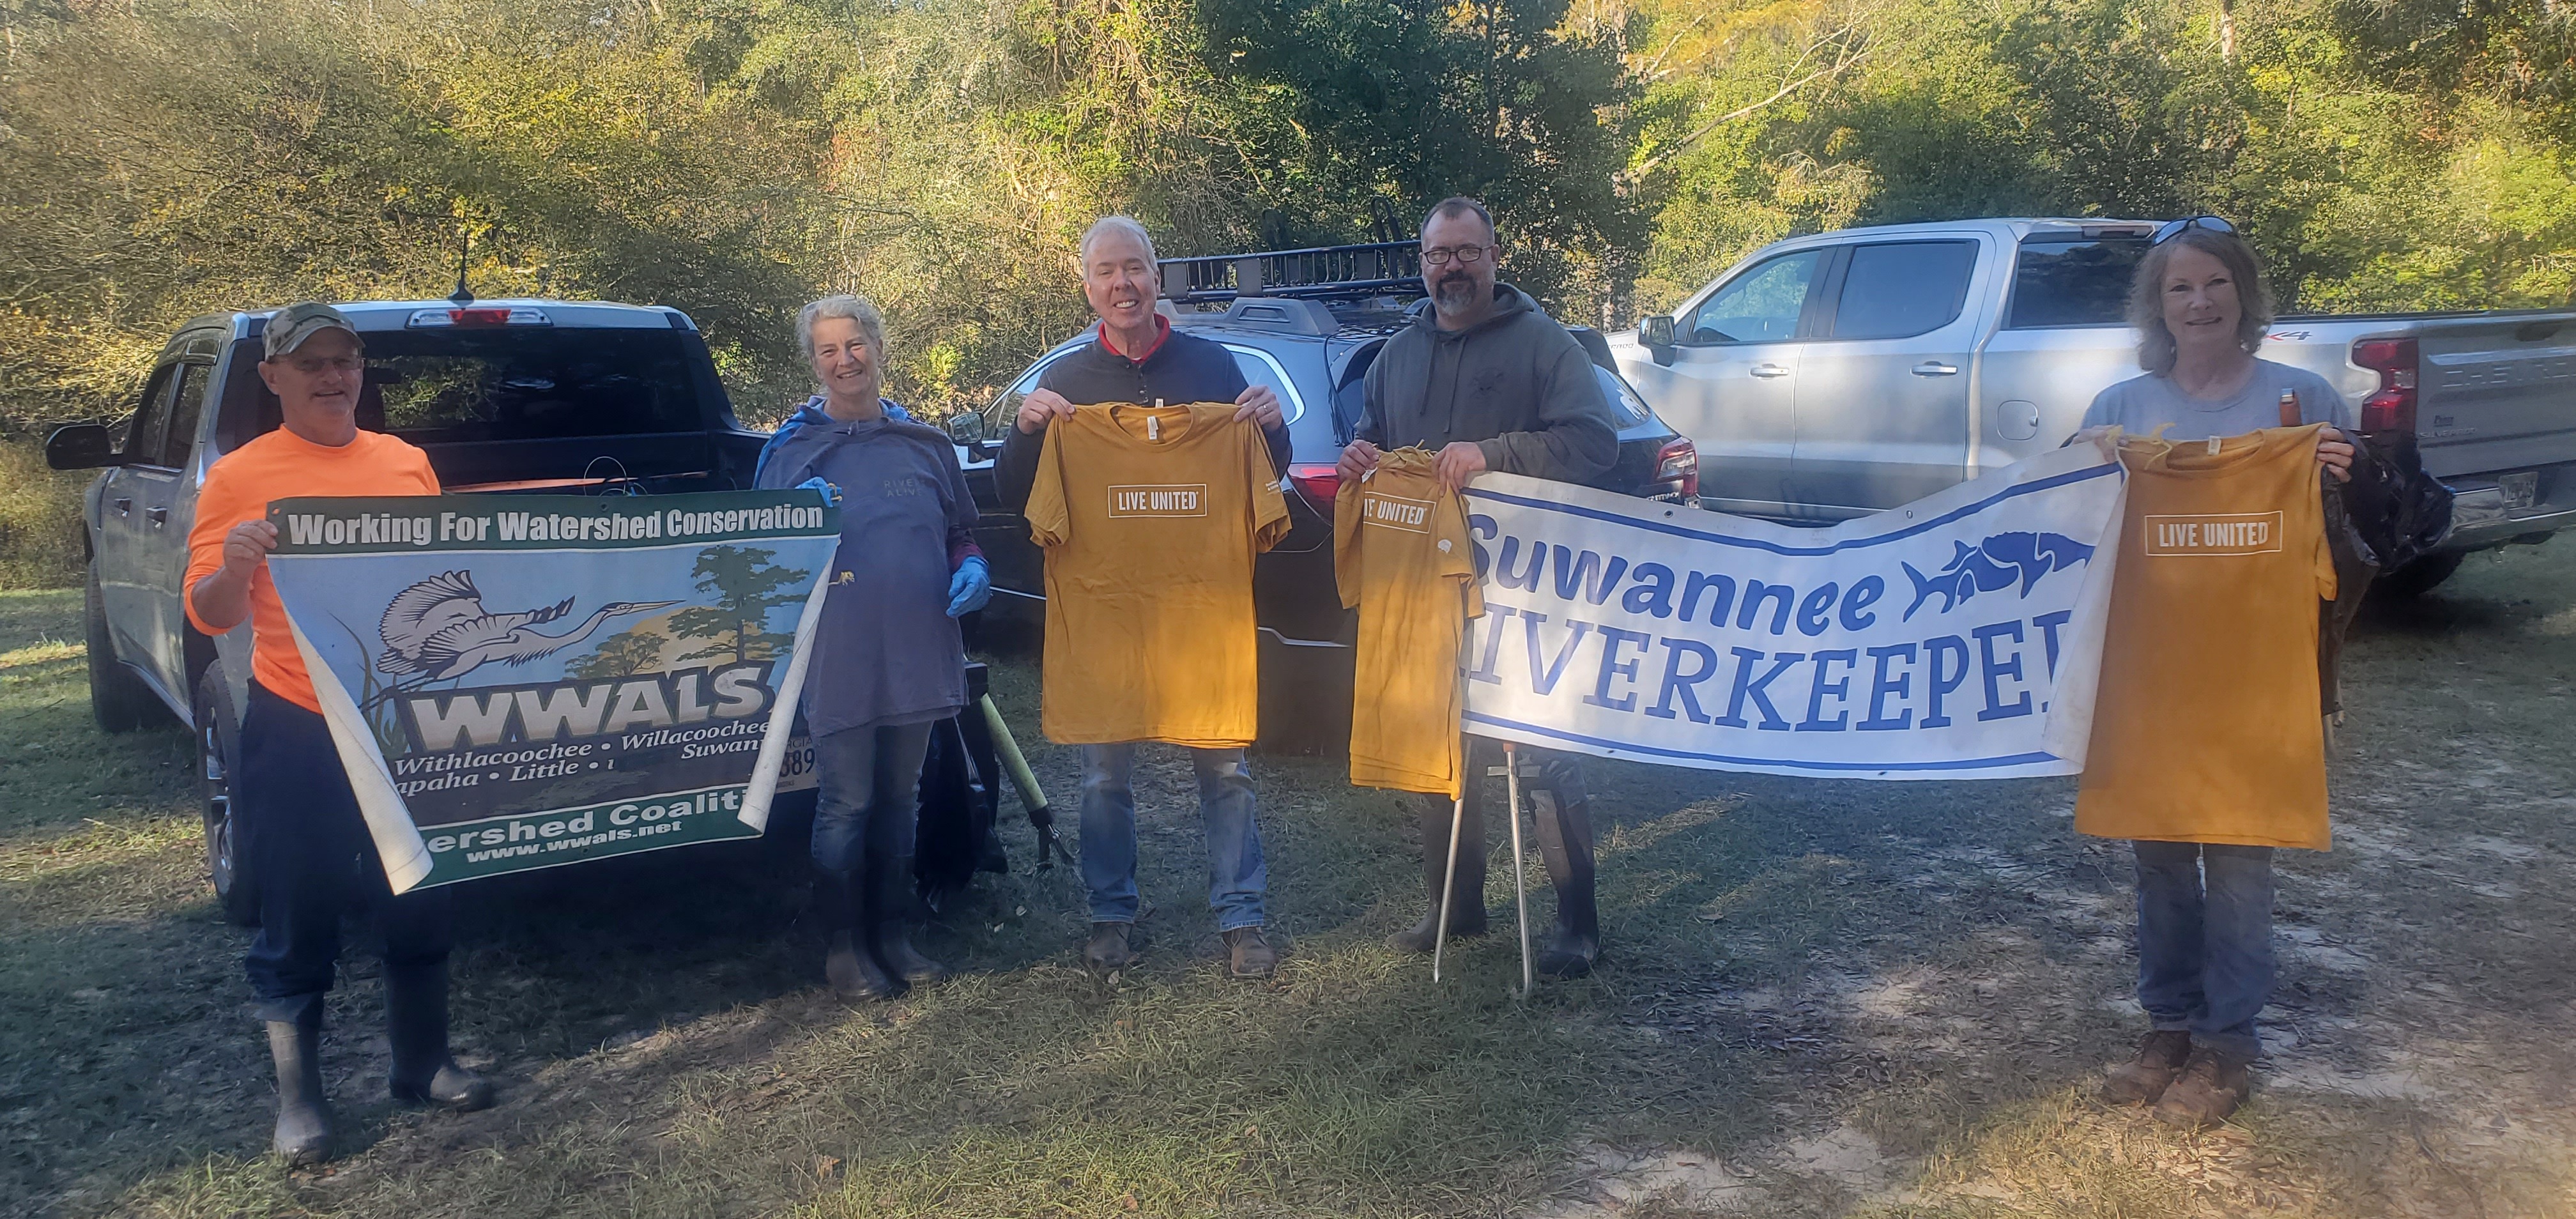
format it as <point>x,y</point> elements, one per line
<point>625,654</point>
<point>747,588</point>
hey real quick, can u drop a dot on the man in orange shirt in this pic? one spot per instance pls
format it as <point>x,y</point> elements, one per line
<point>301,830</point>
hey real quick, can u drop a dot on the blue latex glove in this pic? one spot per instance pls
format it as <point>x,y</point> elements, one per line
<point>971,587</point>
<point>831,494</point>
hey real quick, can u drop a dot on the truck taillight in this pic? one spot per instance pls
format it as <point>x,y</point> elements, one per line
<point>480,315</point>
<point>1319,483</point>
<point>2391,408</point>
<point>1678,462</point>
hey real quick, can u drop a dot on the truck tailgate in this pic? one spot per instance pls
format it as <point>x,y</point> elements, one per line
<point>2496,393</point>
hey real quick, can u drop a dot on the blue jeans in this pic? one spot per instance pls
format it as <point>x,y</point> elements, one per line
<point>1237,877</point>
<point>311,856</point>
<point>869,800</point>
<point>2205,941</point>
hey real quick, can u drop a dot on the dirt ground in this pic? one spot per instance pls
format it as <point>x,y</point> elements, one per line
<point>1821,999</point>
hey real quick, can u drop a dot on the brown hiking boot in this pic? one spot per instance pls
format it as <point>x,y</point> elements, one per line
<point>1108,949</point>
<point>1249,954</point>
<point>2141,1080</point>
<point>2210,1088</point>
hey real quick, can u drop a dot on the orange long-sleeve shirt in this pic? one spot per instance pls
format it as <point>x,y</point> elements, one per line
<point>283,465</point>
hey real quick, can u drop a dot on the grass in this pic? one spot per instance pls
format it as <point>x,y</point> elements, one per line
<point>1823,998</point>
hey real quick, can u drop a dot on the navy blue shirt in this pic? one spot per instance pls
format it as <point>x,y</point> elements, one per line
<point>1181,369</point>
<point>885,652</point>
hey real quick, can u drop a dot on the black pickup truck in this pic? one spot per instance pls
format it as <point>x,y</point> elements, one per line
<point>506,396</point>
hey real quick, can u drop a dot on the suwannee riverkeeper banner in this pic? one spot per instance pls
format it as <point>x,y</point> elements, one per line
<point>1957,637</point>
<point>522,682</point>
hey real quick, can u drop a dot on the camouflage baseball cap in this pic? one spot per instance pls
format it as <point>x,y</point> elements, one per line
<point>289,327</point>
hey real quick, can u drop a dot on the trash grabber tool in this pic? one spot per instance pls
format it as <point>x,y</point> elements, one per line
<point>1520,865</point>
<point>1448,882</point>
<point>1041,818</point>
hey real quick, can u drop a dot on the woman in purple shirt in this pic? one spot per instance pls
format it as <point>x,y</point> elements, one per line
<point>887,660</point>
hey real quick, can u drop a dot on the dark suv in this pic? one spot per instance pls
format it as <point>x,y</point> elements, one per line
<point>1307,324</point>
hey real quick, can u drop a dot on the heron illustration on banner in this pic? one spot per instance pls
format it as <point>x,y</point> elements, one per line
<point>438,629</point>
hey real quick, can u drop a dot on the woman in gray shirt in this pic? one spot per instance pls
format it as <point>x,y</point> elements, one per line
<point>2205,909</point>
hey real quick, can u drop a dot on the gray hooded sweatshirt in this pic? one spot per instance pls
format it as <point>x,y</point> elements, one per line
<point>1516,384</point>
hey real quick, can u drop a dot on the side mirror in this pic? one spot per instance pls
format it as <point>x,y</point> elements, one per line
<point>80,446</point>
<point>967,429</point>
<point>1656,335</point>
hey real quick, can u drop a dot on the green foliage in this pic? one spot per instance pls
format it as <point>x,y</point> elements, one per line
<point>40,528</point>
<point>735,158</point>
<point>2376,169</point>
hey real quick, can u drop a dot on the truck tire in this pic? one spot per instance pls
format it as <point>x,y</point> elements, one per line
<point>118,700</point>
<point>218,760</point>
<point>2417,578</point>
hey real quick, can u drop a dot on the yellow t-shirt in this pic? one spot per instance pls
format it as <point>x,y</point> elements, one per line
<point>1400,556</point>
<point>2206,727</point>
<point>1150,517</point>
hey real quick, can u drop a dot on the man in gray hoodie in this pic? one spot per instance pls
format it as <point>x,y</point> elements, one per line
<point>1487,381</point>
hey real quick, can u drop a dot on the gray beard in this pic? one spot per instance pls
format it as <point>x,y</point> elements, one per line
<point>1454,295</point>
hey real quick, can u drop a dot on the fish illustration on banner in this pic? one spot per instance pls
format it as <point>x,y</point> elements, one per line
<point>527,682</point>
<point>1958,636</point>
<point>1993,565</point>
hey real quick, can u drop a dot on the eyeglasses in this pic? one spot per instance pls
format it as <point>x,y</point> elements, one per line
<point>1468,255</point>
<point>2171,228</point>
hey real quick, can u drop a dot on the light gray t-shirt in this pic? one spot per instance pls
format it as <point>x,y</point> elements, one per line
<point>2142,404</point>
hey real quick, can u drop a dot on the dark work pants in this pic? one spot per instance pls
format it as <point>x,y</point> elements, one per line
<point>1564,828</point>
<point>311,856</point>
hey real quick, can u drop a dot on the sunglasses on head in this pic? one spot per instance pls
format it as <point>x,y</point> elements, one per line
<point>2170,228</point>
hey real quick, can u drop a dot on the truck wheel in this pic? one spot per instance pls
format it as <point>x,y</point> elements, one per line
<point>2417,578</point>
<point>118,700</point>
<point>218,760</point>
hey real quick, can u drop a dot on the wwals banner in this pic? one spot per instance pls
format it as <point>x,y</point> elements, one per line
<point>1957,637</point>
<point>524,682</point>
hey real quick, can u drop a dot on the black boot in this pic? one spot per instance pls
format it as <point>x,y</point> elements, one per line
<point>851,970</point>
<point>416,1029</point>
<point>1467,900</point>
<point>1565,840</point>
<point>303,1136</point>
<point>891,935</point>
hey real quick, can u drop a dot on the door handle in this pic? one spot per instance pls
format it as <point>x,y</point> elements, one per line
<point>1768,370</point>
<point>125,505</point>
<point>158,516</point>
<point>1935,368</point>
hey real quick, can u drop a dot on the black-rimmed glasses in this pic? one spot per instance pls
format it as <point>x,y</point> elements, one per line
<point>1439,256</point>
<point>2167,231</point>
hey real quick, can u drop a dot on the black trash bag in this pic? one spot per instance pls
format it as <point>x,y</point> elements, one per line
<point>2398,510</point>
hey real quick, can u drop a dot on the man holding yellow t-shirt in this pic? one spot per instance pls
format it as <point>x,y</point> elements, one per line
<point>1485,381</point>
<point>1137,358</point>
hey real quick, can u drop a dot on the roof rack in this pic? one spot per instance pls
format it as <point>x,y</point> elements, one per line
<point>1323,273</point>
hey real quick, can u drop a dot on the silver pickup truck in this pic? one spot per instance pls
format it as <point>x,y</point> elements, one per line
<point>1831,376</point>
<point>505,396</point>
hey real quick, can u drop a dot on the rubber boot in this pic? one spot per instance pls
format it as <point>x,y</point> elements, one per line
<point>1565,840</point>
<point>1467,901</point>
<point>303,1136</point>
<point>424,1073</point>
<point>851,970</point>
<point>891,934</point>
